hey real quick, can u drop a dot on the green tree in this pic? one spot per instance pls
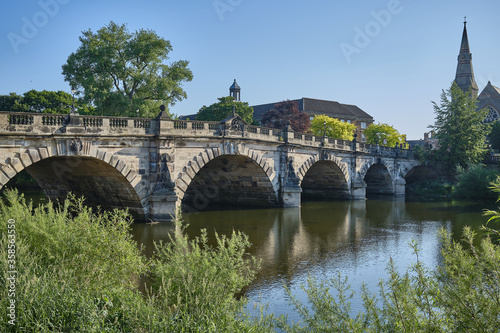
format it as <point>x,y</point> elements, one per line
<point>224,108</point>
<point>284,112</point>
<point>460,128</point>
<point>377,133</point>
<point>12,102</point>
<point>54,102</point>
<point>121,72</point>
<point>334,128</point>
<point>494,136</point>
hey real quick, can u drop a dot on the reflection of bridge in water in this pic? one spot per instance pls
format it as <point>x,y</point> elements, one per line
<point>153,165</point>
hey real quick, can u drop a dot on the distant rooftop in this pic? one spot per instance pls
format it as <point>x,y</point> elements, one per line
<point>313,106</point>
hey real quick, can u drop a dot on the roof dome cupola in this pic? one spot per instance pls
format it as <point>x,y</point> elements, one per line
<point>235,91</point>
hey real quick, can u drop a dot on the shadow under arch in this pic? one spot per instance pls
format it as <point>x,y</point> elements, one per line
<point>324,180</point>
<point>378,180</point>
<point>229,181</point>
<point>101,184</point>
<point>418,175</point>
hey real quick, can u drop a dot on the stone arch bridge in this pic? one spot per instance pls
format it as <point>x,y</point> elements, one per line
<point>151,166</point>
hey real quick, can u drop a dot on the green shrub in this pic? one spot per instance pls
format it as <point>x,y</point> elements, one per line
<point>473,183</point>
<point>197,284</point>
<point>462,295</point>
<point>78,271</point>
<point>430,190</point>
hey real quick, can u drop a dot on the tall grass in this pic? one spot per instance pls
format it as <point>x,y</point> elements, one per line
<point>78,271</point>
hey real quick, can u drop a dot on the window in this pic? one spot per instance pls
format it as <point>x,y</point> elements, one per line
<point>492,115</point>
<point>363,125</point>
<point>363,137</point>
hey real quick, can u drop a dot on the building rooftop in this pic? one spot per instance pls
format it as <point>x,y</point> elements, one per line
<point>317,106</point>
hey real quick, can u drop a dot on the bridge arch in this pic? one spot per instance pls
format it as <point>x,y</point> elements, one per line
<point>377,176</point>
<point>103,178</point>
<point>419,174</point>
<point>304,168</point>
<point>229,175</point>
<point>324,178</point>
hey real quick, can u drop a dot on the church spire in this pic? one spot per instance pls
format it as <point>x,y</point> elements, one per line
<point>465,74</point>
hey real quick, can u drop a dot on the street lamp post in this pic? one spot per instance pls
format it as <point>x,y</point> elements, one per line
<point>324,134</point>
<point>73,91</point>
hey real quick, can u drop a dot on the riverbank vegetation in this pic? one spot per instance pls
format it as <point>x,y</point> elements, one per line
<point>467,183</point>
<point>76,270</point>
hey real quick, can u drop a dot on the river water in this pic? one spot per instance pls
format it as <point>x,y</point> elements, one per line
<point>322,239</point>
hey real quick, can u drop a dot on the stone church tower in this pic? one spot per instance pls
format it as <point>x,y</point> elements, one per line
<point>490,95</point>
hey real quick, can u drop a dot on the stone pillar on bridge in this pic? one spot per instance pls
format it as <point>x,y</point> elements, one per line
<point>358,185</point>
<point>162,207</point>
<point>358,189</point>
<point>290,190</point>
<point>290,195</point>
<point>399,186</point>
<point>164,123</point>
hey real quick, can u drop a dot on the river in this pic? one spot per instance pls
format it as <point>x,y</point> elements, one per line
<point>321,239</point>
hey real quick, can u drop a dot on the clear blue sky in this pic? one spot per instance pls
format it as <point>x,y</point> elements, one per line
<point>276,50</point>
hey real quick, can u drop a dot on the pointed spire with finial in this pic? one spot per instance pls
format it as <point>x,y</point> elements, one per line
<point>465,73</point>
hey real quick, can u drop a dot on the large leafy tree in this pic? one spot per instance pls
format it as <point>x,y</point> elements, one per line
<point>284,112</point>
<point>332,128</point>
<point>121,72</point>
<point>460,128</point>
<point>224,108</point>
<point>383,134</point>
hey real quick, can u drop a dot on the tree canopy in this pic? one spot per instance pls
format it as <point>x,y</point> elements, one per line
<point>494,136</point>
<point>380,133</point>
<point>460,128</point>
<point>284,112</point>
<point>12,102</point>
<point>121,72</point>
<point>334,128</point>
<point>224,108</point>
<point>44,101</point>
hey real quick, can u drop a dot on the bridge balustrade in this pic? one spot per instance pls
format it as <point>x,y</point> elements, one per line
<point>40,123</point>
<point>92,122</point>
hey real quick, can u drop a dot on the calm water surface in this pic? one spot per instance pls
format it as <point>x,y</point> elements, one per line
<point>321,239</point>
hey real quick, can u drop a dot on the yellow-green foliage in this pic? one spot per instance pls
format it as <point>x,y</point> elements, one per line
<point>376,133</point>
<point>335,128</point>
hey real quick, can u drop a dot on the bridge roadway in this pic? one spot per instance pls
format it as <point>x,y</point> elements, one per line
<point>152,166</point>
